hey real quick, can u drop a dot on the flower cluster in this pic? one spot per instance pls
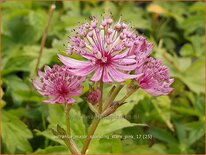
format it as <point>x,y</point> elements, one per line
<point>111,52</point>
<point>155,79</point>
<point>58,84</point>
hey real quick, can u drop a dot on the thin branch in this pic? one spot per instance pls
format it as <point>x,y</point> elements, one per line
<point>43,40</point>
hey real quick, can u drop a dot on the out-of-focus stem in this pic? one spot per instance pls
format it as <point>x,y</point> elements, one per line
<point>94,125</point>
<point>43,40</point>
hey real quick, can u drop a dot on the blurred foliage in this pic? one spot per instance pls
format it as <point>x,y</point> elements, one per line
<point>176,122</point>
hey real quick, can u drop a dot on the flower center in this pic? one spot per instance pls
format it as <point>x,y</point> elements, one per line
<point>104,60</point>
<point>63,91</point>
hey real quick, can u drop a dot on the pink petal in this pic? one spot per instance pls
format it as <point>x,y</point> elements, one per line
<point>116,76</point>
<point>41,74</point>
<point>106,77</point>
<point>119,56</point>
<point>125,68</point>
<point>52,101</point>
<point>36,85</point>
<point>73,63</point>
<point>85,70</point>
<point>97,75</point>
<point>119,76</point>
<point>47,68</point>
<point>76,82</point>
<point>76,92</point>
<point>125,61</point>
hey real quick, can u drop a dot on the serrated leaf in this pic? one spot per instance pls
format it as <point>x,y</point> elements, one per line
<point>15,133</point>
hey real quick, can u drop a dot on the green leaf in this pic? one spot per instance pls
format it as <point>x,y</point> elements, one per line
<point>144,149</point>
<point>131,101</point>
<point>197,130</point>
<point>135,15</point>
<point>163,135</point>
<point>105,145</point>
<point>21,25</point>
<point>15,133</point>
<point>194,76</point>
<point>17,63</point>
<point>14,85</point>
<point>162,105</point>
<point>198,42</point>
<point>185,110</point>
<point>112,123</point>
<point>53,150</point>
<point>25,59</point>
<point>182,136</point>
<point>48,134</point>
<point>187,50</point>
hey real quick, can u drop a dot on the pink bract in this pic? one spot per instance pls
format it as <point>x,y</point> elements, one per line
<point>155,80</point>
<point>110,51</point>
<point>58,84</point>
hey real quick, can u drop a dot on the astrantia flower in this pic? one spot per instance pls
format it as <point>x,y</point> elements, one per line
<point>155,80</point>
<point>58,84</point>
<point>107,49</point>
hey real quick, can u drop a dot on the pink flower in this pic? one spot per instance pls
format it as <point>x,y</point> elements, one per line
<point>156,80</point>
<point>58,84</point>
<point>107,50</point>
<point>94,96</point>
<point>141,49</point>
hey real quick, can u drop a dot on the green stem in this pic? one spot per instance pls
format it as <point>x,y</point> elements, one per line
<point>129,93</point>
<point>113,96</point>
<point>43,40</point>
<point>69,141</point>
<point>67,109</point>
<point>94,125</point>
<point>100,102</point>
<point>72,147</point>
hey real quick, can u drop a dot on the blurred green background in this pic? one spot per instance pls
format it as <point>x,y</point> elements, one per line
<point>176,121</point>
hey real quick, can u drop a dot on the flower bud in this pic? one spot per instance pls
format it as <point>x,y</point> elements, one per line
<point>94,96</point>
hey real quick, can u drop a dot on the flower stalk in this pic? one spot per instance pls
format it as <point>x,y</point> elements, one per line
<point>100,102</point>
<point>94,125</point>
<point>114,93</point>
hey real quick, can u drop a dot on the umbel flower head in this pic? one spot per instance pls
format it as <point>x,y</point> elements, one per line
<point>109,50</point>
<point>58,84</point>
<point>155,80</point>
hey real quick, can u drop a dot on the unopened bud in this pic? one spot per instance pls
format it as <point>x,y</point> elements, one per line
<point>94,96</point>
